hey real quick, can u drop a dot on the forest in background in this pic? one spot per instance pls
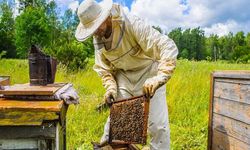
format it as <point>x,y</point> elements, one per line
<point>41,23</point>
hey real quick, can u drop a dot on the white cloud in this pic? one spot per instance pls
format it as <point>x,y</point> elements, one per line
<point>222,28</point>
<point>73,6</point>
<point>171,14</point>
<point>214,16</point>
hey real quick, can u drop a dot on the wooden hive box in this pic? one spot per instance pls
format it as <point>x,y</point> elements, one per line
<point>32,124</point>
<point>229,116</point>
<point>29,124</point>
<point>128,121</point>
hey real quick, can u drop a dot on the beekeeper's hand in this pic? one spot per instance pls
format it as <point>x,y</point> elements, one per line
<point>151,85</point>
<point>110,97</point>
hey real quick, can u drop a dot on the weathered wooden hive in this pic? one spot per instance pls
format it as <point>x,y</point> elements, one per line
<point>30,121</point>
<point>229,117</point>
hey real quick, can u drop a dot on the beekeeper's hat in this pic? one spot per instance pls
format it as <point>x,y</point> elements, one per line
<point>91,15</point>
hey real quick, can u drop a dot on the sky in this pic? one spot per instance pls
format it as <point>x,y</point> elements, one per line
<point>213,16</point>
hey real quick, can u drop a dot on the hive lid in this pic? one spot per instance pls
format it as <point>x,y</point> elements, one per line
<point>26,89</point>
<point>233,74</point>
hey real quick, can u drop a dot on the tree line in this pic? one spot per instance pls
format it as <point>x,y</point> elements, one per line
<point>194,45</point>
<point>38,22</point>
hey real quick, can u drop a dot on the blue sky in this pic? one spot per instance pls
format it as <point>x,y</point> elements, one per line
<point>64,4</point>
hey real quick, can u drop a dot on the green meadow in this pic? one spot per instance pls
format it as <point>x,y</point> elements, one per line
<point>187,97</point>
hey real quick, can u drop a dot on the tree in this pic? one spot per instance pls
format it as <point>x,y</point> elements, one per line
<point>226,46</point>
<point>239,39</point>
<point>191,43</point>
<point>32,27</point>
<point>240,52</point>
<point>197,43</point>
<point>176,35</point>
<point>31,3</point>
<point>54,24</point>
<point>7,31</point>
<point>186,43</point>
<point>213,46</point>
<point>248,40</point>
<point>70,20</point>
<point>74,55</point>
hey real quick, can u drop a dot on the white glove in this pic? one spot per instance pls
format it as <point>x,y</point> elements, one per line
<point>68,94</point>
<point>70,97</point>
<point>110,96</point>
<point>152,84</point>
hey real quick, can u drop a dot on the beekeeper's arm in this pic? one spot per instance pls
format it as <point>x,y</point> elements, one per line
<point>159,47</point>
<point>105,70</point>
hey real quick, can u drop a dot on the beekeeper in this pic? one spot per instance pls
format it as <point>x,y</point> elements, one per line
<point>132,58</point>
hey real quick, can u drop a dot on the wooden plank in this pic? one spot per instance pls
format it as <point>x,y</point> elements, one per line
<point>234,81</point>
<point>54,106</point>
<point>26,118</point>
<point>45,131</point>
<point>235,74</point>
<point>210,132</point>
<point>63,115</point>
<point>19,144</point>
<point>236,129</point>
<point>232,109</point>
<point>221,141</point>
<point>26,89</point>
<point>236,90</point>
<point>60,137</point>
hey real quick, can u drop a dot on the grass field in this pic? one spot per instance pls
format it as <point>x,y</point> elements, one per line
<point>187,98</point>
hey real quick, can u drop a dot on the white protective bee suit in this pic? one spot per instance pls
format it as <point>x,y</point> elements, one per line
<point>137,53</point>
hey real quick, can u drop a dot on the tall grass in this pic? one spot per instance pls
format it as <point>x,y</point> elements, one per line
<point>187,97</point>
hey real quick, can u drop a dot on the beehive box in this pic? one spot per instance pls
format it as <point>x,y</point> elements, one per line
<point>128,121</point>
<point>32,124</point>
<point>229,116</point>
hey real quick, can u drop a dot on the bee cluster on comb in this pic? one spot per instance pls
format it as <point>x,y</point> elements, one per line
<point>128,120</point>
